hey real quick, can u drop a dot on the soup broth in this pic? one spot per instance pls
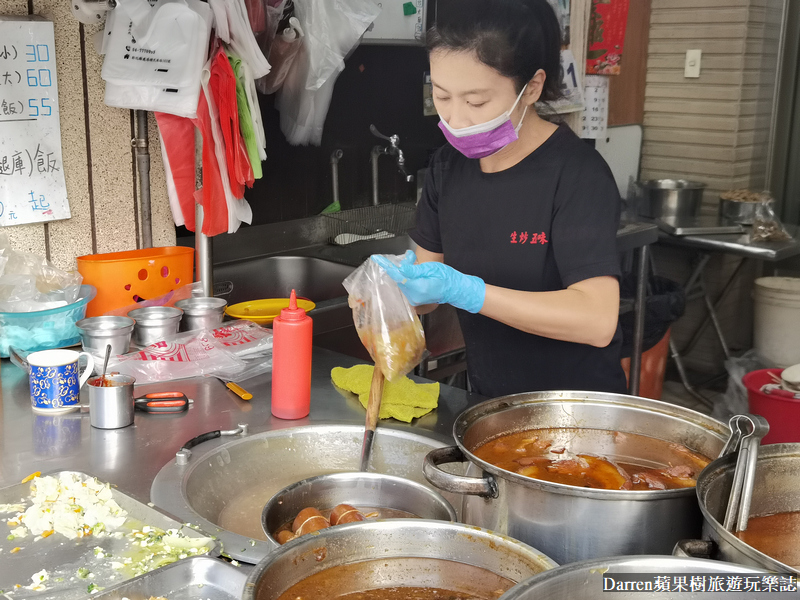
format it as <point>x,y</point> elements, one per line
<point>775,535</point>
<point>592,458</point>
<point>432,579</point>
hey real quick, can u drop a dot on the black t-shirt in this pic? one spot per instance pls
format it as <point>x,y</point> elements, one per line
<point>544,224</point>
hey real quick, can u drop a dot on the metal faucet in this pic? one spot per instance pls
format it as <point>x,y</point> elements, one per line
<point>393,149</point>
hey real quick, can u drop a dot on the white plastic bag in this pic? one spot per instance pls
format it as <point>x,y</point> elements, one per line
<point>237,350</point>
<point>332,30</point>
<point>190,354</point>
<point>162,71</point>
<point>386,323</point>
<point>171,54</point>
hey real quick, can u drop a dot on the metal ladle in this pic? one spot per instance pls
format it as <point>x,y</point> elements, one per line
<point>746,434</point>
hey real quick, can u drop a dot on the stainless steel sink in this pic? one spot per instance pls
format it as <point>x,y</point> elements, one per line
<point>276,276</point>
<point>319,278</point>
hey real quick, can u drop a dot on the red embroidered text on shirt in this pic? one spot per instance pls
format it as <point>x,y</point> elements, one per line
<point>523,237</point>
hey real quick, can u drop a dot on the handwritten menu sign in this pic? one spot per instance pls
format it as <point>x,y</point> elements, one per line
<point>32,186</point>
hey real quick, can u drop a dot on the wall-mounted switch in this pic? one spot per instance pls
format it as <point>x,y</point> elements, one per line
<point>692,66</point>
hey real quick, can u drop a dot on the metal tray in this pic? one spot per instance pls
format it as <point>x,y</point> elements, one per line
<point>62,557</point>
<point>705,225</point>
<point>199,577</point>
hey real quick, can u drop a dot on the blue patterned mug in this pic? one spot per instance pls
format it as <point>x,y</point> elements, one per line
<point>56,380</point>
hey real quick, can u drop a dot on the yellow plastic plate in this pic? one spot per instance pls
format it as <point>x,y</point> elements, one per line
<point>263,312</point>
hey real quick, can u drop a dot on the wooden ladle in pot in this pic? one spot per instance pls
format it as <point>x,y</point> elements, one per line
<point>373,410</point>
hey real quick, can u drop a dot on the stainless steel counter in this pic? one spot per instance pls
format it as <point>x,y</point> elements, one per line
<point>131,457</point>
<point>738,243</point>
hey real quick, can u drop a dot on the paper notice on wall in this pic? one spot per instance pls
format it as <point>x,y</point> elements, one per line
<point>571,99</point>
<point>595,112</point>
<point>32,186</point>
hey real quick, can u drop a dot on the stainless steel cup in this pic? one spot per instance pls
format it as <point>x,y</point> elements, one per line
<point>154,323</point>
<point>111,407</point>
<point>201,313</point>
<point>99,332</point>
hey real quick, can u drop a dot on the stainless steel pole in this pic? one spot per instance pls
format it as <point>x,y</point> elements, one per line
<point>141,144</point>
<point>203,254</point>
<point>638,323</point>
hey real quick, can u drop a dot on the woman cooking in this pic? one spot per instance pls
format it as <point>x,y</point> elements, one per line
<point>518,217</point>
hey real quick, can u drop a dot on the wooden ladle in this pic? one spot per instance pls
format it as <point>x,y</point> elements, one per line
<point>373,410</point>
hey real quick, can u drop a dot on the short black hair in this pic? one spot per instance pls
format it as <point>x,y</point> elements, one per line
<point>516,38</point>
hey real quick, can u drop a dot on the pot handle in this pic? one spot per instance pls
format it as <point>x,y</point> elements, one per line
<point>694,549</point>
<point>485,486</point>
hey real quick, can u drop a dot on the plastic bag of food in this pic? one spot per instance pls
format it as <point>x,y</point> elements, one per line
<point>387,324</point>
<point>29,282</point>
<point>767,227</point>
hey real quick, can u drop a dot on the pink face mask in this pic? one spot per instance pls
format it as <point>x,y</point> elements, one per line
<point>484,139</point>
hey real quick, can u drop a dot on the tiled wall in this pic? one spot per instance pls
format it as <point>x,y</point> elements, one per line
<point>713,129</point>
<point>98,161</point>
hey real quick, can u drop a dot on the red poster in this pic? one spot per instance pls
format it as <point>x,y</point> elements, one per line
<point>607,26</point>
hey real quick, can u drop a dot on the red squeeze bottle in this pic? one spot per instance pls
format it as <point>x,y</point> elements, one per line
<point>291,362</point>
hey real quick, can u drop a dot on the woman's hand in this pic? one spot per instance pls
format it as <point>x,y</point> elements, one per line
<point>435,283</point>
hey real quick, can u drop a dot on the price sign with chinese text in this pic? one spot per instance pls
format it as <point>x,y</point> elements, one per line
<point>32,188</point>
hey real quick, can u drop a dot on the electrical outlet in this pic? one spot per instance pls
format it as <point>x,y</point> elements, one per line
<point>692,66</point>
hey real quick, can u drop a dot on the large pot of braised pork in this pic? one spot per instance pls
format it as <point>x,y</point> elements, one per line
<point>581,475</point>
<point>772,537</point>
<point>395,559</point>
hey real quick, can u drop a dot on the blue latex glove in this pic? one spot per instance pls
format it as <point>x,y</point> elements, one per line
<point>435,283</point>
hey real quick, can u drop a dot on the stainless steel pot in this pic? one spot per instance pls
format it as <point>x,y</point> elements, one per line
<point>738,211</point>
<point>587,580</point>
<point>224,485</point>
<point>570,523</point>
<point>392,541</point>
<point>670,198</point>
<point>361,490</point>
<point>776,490</point>
<point>201,313</point>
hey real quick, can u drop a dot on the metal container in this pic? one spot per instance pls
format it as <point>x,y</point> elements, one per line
<point>195,577</point>
<point>154,323</point>
<point>360,490</point>
<point>586,580</point>
<point>776,490</point>
<point>201,313</point>
<point>62,557</point>
<point>738,211</point>
<point>111,407</point>
<point>238,477</point>
<point>566,522</point>
<point>670,198</point>
<point>391,541</point>
<point>99,332</point>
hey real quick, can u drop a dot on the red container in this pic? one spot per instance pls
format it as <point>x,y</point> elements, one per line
<point>782,414</point>
<point>291,362</point>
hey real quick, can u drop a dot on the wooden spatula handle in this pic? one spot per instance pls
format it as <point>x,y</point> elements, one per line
<point>375,395</point>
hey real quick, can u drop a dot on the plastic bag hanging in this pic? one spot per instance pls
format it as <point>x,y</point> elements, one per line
<point>332,30</point>
<point>386,323</point>
<point>282,56</point>
<point>159,71</point>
